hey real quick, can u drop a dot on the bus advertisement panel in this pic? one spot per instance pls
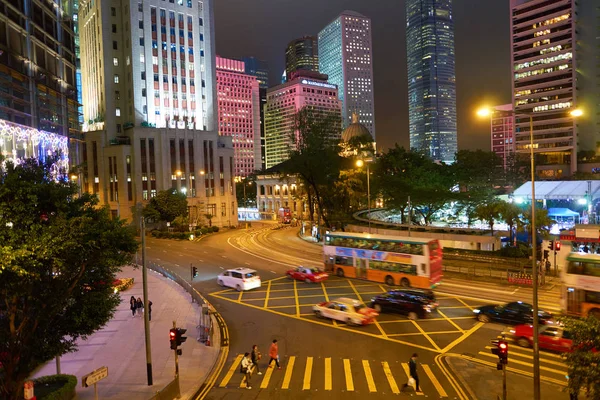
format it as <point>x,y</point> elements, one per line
<point>580,294</point>
<point>394,260</point>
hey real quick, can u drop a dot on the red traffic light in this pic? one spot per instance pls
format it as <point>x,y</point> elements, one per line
<point>503,346</point>
<point>557,246</point>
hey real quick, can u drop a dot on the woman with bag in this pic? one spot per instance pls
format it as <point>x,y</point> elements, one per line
<point>246,368</point>
<point>256,356</point>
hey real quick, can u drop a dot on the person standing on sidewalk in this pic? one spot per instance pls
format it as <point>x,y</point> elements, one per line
<point>413,371</point>
<point>274,354</point>
<point>255,356</point>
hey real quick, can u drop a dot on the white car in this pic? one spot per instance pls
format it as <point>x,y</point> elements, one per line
<point>350,311</point>
<point>239,279</point>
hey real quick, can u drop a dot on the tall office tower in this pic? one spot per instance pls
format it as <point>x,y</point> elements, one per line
<point>284,101</point>
<point>38,96</point>
<point>554,69</point>
<point>148,74</point>
<point>260,69</point>
<point>77,59</point>
<point>431,78</point>
<point>239,117</point>
<point>502,129</point>
<point>346,56</point>
<point>301,54</point>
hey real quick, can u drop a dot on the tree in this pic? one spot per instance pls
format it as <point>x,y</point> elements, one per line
<point>166,206</point>
<point>584,360</point>
<point>478,170</point>
<point>543,222</point>
<point>510,214</point>
<point>209,217</point>
<point>59,253</point>
<point>489,212</point>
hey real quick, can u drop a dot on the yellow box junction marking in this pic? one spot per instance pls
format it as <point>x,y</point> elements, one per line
<point>267,296</point>
<point>231,371</point>
<point>297,300</point>
<point>390,378</point>
<point>348,373</point>
<point>361,300</point>
<point>461,330</point>
<point>369,376</point>
<point>307,373</point>
<point>240,296</point>
<point>434,380</point>
<point>288,373</point>
<point>328,373</point>
<point>426,336</point>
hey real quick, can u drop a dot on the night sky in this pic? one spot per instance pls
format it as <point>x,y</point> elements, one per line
<point>263,28</point>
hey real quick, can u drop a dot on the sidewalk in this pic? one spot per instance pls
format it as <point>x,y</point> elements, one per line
<point>120,345</point>
<point>481,382</point>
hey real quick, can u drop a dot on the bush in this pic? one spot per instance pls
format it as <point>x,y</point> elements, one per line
<point>215,229</point>
<point>233,227</point>
<point>204,230</point>
<point>55,387</point>
<point>183,235</point>
<point>198,232</point>
<point>155,233</point>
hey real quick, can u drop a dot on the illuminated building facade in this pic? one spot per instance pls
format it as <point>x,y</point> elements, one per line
<point>149,97</point>
<point>283,102</point>
<point>38,96</point>
<point>346,57</point>
<point>239,117</point>
<point>301,54</point>
<point>549,41</point>
<point>502,132</point>
<point>431,78</point>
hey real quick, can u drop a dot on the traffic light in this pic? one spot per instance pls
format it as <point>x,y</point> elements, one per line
<point>551,245</point>
<point>176,338</point>
<point>501,350</point>
<point>194,272</point>
<point>557,246</point>
<point>172,338</point>
<point>179,338</point>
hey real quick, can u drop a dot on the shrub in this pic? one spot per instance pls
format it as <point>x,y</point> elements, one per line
<point>55,387</point>
<point>233,227</point>
<point>204,230</point>
<point>198,232</point>
<point>183,235</point>
<point>215,229</point>
<point>155,233</point>
<point>122,284</point>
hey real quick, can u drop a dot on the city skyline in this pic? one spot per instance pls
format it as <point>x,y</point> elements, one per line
<point>482,33</point>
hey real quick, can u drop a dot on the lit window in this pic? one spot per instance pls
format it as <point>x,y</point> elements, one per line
<point>115,61</point>
<point>118,112</point>
<point>116,78</point>
<point>142,58</point>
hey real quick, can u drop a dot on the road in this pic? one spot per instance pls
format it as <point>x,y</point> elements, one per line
<point>321,358</point>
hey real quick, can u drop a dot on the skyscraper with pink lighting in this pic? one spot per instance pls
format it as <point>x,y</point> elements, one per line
<point>502,132</point>
<point>239,113</point>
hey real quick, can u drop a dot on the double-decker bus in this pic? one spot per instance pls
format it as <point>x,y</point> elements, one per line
<point>285,216</point>
<point>581,285</point>
<point>395,260</point>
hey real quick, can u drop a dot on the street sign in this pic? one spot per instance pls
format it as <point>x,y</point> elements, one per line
<point>93,377</point>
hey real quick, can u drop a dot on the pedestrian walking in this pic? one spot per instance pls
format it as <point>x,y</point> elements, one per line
<point>132,305</point>
<point>274,354</point>
<point>413,371</point>
<point>149,310</point>
<point>247,368</point>
<point>140,305</point>
<point>256,356</point>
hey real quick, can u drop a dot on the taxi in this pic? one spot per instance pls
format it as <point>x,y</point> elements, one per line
<point>551,337</point>
<point>350,311</point>
<point>307,274</point>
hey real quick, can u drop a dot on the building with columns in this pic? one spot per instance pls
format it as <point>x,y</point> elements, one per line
<point>149,80</point>
<point>239,114</point>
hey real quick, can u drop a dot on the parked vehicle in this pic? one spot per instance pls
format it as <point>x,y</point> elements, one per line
<point>240,279</point>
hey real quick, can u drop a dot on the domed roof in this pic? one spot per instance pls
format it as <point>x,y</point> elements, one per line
<point>355,129</point>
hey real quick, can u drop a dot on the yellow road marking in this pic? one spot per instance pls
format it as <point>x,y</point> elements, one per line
<point>384,290</point>
<point>463,337</point>
<point>466,305</point>
<point>434,380</point>
<point>240,296</point>
<point>388,374</point>
<point>369,376</point>
<point>307,373</point>
<point>267,296</point>
<point>348,373</point>
<point>328,373</point>
<point>531,350</point>
<point>374,319</point>
<point>561,371</point>
<point>519,354</point>
<point>407,372</point>
<point>407,320</point>
<point>267,377</point>
<point>327,299</point>
<point>420,334</point>
<point>426,335</point>
<point>458,387</point>
<point>288,372</point>
<point>297,300</point>
<point>231,371</point>
<point>452,322</point>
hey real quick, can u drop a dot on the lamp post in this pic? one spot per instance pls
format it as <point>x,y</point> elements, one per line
<point>534,266</point>
<point>360,163</point>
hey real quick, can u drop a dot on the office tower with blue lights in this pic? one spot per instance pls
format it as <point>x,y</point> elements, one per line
<point>346,57</point>
<point>431,78</point>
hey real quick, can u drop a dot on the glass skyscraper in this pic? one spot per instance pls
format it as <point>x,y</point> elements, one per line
<point>431,78</point>
<point>301,54</point>
<point>346,56</point>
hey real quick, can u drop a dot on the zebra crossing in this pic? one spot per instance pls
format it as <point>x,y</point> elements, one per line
<point>330,374</point>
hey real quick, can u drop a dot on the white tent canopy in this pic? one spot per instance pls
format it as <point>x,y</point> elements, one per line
<point>560,190</point>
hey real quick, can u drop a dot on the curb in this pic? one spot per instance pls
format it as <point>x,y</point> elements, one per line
<point>455,380</point>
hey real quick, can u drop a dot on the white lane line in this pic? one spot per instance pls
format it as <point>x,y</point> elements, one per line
<point>221,267</point>
<point>481,288</point>
<point>224,256</point>
<point>247,263</point>
<point>164,251</point>
<point>177,265</point>
<point>274,272</point>
<point>205,252</point>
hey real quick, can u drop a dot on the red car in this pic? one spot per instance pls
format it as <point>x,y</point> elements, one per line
<point>307,274</point>
<point>551,337</point>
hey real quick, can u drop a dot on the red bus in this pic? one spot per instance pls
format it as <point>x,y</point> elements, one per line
<point>285,216</point>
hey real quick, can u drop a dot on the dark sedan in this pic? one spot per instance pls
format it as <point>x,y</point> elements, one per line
<point>514,313</point>
<point>412,303</point>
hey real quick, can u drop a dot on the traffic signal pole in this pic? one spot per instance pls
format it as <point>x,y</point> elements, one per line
<point>146,314</point>
<point>176,356</point>
<point>503,381</point>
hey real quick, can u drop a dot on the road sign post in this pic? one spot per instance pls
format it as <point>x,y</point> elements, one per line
<point>94,378</point>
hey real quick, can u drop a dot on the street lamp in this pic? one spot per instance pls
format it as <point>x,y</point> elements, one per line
<point>359,164</point>
<point>484,112</point>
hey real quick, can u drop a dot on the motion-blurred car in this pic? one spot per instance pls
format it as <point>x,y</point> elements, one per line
<point>514,313</point>
<point>551,337</point>
<point>307,274</point>
<point>411,302</point>
<point>240,279</point>
<point>350,311</point>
